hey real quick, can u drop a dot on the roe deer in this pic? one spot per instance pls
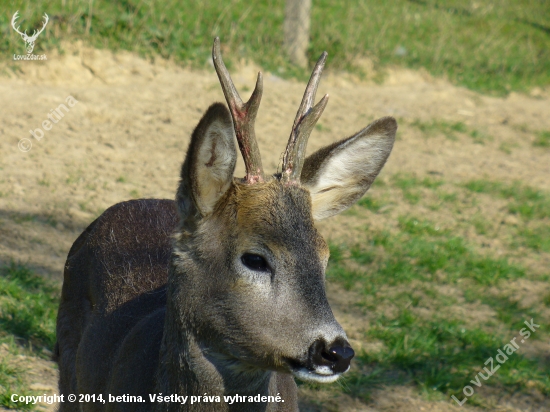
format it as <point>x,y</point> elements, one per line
<point>220,292</point>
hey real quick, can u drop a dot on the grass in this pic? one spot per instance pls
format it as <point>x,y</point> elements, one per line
<point>442,355</point>
<point>409,181</point>
<point>440,126</point>
<point>439,353</point>
<point>450,130</point>
<point>523,200</point>
<point>506,147</point>
<point>537,238</point>
<point>422,251</point>
<point>439,301</point>
<point>11,382</point>
<point>542,139</point>
<point>410,185</point>
<point>371,204</point>
<point>28,311</point>
<point>28,307</point>
<point>510,38</point>
<point>481,225</point>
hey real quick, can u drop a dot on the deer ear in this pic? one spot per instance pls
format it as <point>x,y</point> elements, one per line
<point>207,171</point>
<point>338,175</point>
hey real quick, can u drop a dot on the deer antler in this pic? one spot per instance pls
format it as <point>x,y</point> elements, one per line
<point>306,118</point>
<point>244,116</point>
<point>35,34</point>
<point>25,35</point>
<point>14,18</point>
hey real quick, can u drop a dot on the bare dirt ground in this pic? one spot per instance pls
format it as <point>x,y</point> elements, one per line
<point>127,135</point>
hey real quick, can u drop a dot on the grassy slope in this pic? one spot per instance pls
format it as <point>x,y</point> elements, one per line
<point>415,281</point>
<point>28,309</point>
<point>490,46</point>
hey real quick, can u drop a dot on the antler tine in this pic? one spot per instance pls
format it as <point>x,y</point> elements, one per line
<point>244,116</point>
<point>47,19</point>
<point>306,118</point>
<point>13,23</point>
<point>35,33</point>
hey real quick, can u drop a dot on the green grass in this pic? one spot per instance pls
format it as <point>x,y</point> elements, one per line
<point>482,225</point>
<point>416,227</point>
<point>438,353</point>
<point>449,197</point>
<point>368,202</point>
<point>537,238</point>
<point>28,307</point>
<point>409,181</point>
<point>478,136</point>
<point>421,252</point>
<point>506,147</point>
<point>435,127</point>
<point>525,201</point>
<point>510,38</point>
<point>507,309</point>
<point>11,382</point>
<point>396,275</point>
<point>542,139</point>
<point>450,130</point>
<point>410,185</point>
<point>28,217</point>
<point>28,311</point>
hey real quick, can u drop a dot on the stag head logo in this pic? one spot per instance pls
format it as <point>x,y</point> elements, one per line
<point>29,40</point>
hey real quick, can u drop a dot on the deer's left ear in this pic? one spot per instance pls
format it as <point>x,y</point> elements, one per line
<point>338,175</point>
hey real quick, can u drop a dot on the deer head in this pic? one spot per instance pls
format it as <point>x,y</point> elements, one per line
<point>29,40</point>
<point>249,247</point>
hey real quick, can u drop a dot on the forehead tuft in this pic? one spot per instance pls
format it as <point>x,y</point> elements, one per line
<point>274,207</point>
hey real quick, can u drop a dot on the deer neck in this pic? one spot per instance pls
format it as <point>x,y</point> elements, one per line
<point>188,367</point>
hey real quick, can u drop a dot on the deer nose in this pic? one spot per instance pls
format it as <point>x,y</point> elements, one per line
<point>342,356</point>
<point>336,356</point>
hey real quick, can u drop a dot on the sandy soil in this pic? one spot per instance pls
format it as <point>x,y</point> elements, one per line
<point>127,135</point>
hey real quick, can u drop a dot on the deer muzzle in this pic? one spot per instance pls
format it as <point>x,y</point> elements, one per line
<point>325,361</point>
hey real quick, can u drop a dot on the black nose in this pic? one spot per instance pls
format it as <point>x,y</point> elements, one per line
<point>338,356</point>
<point>341,356</point>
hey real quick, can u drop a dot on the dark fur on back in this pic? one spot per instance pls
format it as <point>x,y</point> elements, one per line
<point>130,245</point>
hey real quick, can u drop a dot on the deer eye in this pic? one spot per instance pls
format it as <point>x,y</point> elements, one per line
<point>255,262</point>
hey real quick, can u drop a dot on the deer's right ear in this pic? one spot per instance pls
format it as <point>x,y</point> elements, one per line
<point>208,169</point>
<point>338,175</point>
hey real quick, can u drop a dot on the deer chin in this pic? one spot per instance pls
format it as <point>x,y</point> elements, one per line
<point>321,374</point>
<point>311,372</point>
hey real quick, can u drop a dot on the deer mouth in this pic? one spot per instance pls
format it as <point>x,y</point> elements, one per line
<point>321,374</point>
<point>308,371</point>
<point>324,363</point>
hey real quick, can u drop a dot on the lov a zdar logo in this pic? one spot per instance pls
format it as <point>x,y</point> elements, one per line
<point>29,40</point>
